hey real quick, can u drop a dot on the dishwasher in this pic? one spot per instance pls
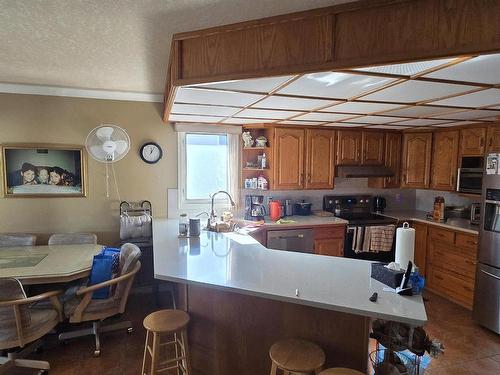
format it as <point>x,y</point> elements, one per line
<point>299,240</point>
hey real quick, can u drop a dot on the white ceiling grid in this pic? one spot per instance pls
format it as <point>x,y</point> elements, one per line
<point>435,93</point>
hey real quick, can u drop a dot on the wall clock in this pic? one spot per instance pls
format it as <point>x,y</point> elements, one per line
<point>151,152</point>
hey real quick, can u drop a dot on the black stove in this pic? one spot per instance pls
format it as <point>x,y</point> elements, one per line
<point>356,209</point>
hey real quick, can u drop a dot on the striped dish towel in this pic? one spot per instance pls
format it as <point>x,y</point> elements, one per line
<point>382,237</point>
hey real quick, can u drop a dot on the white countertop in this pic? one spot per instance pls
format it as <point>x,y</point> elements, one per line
<point>239,263</point>
<point>421,216</point>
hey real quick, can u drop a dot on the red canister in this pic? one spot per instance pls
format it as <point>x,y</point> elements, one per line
<point>274,210</point>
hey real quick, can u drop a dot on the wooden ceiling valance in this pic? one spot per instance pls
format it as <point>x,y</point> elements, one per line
<point>362,33</point>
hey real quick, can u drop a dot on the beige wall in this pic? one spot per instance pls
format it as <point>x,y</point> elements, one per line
<point>45,119</point>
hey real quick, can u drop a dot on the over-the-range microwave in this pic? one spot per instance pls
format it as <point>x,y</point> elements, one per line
<point>470,175</point>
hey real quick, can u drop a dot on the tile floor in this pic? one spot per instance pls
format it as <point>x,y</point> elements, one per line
<point>469,349</point>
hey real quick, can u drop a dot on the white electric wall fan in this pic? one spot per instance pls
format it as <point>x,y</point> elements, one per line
<point>108,143</point>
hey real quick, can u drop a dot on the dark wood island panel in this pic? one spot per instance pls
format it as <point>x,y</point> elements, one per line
<point>231,333</point>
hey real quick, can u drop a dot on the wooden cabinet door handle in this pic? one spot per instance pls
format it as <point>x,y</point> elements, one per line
<point>473,243</point>
<point>438,277</point>
<point>482,142</point>
<point>470,262</point>
<point>309,178</point>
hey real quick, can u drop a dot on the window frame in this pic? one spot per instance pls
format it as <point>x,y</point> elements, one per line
<point>203,205</point>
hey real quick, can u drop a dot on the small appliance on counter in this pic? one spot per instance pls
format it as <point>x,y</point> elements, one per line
<point>254,207</point>
<point>302,208</point>
<point>379,204</point>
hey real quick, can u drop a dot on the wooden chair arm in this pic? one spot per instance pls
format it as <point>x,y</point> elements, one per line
<point>92,288</point>
<point>29,300</point>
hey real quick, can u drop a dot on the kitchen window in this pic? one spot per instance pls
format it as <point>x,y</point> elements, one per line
<point>208,162</point>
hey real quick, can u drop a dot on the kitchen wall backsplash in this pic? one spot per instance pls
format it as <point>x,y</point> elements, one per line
<point>397,199</point>
<point>424,199</point>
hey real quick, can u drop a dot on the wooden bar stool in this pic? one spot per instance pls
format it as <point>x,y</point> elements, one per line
<point>296,357</point>
<point>170,325</point>
<point>340,371</point>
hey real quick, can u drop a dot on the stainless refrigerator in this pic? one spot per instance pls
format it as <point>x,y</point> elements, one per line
<point>487,290</point>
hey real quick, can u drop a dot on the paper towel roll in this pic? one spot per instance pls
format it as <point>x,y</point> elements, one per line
<point>405,245</point>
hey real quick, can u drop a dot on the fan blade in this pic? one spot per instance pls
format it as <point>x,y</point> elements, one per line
<point>121,147</point>
<point>98,153</point>
<point>104,133</point>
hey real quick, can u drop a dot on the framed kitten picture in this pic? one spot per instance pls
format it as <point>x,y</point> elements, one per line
<point>43,170</point>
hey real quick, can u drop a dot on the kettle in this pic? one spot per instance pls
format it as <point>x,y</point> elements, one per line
<point>379,204</point>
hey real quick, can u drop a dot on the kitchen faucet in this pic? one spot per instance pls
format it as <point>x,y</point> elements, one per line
<point>213,216</point>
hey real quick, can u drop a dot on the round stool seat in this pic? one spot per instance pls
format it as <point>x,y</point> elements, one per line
<point>297,355</point>
<point>165,321</point>
<point>340,371</point>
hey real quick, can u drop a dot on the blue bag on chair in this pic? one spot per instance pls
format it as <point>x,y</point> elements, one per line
<point>104,265</point>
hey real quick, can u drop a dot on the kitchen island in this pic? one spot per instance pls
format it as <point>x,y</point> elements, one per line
<point>242,297</point>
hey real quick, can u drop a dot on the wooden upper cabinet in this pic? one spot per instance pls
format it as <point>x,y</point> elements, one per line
<point>289,158</point>
<point>444,160</point>
<point>319,159</point>
<point>393,159</point>
<point>349,147</point>
<point>472,141</point>
<point>373,146</point>
<point>417,148</point>
<point>493,139</point>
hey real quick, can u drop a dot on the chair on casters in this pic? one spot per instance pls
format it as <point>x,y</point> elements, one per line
<point>73,239</point>
<point>82,308</point>
<point>21,325</point>
<point>17,239</point>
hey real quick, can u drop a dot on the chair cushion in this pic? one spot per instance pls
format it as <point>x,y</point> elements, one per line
<point>129,256</point>
<point>41,322</point>
<point>94,306</point>
<point>10,290</point>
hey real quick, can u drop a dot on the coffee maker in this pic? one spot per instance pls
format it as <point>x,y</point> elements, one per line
<point>379,204</point>
<point>254,207</point>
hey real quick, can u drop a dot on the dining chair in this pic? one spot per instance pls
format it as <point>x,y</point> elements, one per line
<point>22,326</point>
<point>82,308</point>
<point>72,239</point>
<point>17,239</point>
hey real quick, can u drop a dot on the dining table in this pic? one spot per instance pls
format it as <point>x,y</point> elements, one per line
<point>47,264</point>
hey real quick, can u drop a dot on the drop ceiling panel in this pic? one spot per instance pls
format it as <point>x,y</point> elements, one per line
<point>243,121</point>
<point>482,69</point>
<point>421,122</point>
<point>469,115</point>
<point>296,122</point>
<point>377,119</point>
<point>261,85</point>
<point>283,102</point>
<point>407,69</point>
<point>460,123</point>
<point>267,113</point>
<point>316,116</point>
<point>420,111</point>
<point>417,91</point>
<point>205,110</point>
<point>220,98</point>
<point>482,98</point>
<point>360,107</point>
<point>189,118</point>
<point>334,85</point>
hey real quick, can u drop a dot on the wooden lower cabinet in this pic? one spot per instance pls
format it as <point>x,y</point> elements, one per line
<point>451,264</point>
<point>420,246</point>
<point>329,241</point>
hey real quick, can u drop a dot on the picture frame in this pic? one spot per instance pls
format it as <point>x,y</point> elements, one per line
<point>43,171</point>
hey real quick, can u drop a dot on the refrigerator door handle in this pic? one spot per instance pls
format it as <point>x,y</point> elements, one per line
<point>490,274</point>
